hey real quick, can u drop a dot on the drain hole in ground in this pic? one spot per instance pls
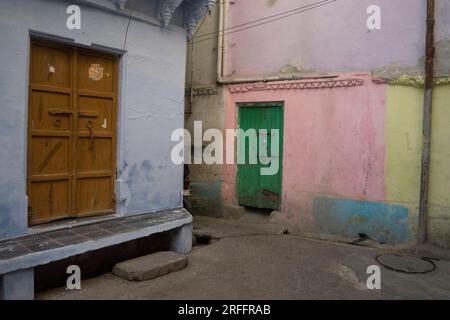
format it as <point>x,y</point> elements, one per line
<point>202,240</point>
<point>406,264</point>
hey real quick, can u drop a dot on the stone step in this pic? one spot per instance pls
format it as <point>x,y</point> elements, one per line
<point>151,266</point>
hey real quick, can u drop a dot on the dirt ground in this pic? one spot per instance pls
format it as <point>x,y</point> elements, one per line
<point>248,259</point>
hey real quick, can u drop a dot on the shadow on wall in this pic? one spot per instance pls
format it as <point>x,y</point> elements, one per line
<point>205,199</point>
<point>379,221</point>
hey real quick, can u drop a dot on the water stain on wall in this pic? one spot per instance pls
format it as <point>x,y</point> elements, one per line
<point>270,3</point>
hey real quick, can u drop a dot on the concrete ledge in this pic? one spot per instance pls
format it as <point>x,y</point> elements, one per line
<point>14,255</point>
<point>18,285</point>
<point>150,266</point>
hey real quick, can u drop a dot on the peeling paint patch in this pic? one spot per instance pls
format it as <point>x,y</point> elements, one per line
<point>295,67</point>
<point>394,71</point>
<point>95,72</point>
<point>345,217</point>
<point>417,81</point>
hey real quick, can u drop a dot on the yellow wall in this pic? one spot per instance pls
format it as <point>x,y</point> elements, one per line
<point>439,213</point>
<point>403,138</point>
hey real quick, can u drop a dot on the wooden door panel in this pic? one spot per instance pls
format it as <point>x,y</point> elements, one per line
<point>254,188</point>
<point>71,133</point>
<point>95,73</point>
<point>49,200</point>
<point>50,156</point>
<point>95,168</point>
<point>248,178</point>
<point>50,66</point>
<point>94,155</point>
<point>49,133</point>
<point>97,112</point>
<point>270,185</point>
<point>50,111</point>
<point>94,196</point>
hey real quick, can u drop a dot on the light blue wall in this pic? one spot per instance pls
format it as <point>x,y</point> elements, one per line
<point>345,217</point>
<point>151,102</point>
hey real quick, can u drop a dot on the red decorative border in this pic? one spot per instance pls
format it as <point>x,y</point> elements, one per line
<point>315,84</point>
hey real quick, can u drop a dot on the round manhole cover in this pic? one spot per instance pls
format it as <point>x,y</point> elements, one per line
<point>406,264</point>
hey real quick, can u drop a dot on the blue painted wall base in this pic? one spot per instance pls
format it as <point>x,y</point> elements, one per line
<point>379,221</point>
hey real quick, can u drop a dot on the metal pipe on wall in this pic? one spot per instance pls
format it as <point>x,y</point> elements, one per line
<point>427,112</point>
<point>220,39</point>
<point>191,84</point>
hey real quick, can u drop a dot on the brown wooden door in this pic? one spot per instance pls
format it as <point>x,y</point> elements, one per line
<point>71,133</point>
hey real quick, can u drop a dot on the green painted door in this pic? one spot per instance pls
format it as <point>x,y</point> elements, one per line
<point>259,182</point>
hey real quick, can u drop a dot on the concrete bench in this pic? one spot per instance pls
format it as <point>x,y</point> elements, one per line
<point>19,256</point>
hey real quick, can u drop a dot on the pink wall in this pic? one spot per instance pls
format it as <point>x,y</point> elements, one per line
<point>333,143</point>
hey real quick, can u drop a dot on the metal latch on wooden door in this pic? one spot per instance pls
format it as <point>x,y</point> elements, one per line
<point>90,127</point>
<point>59,112</point>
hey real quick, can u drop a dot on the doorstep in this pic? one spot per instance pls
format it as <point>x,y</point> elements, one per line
<point>34,250</point>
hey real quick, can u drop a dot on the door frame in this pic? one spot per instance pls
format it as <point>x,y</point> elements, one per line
<point>261,104</point>
<point>110,53</point>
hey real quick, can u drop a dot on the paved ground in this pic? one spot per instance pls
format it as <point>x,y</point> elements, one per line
<point>253,260</point>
